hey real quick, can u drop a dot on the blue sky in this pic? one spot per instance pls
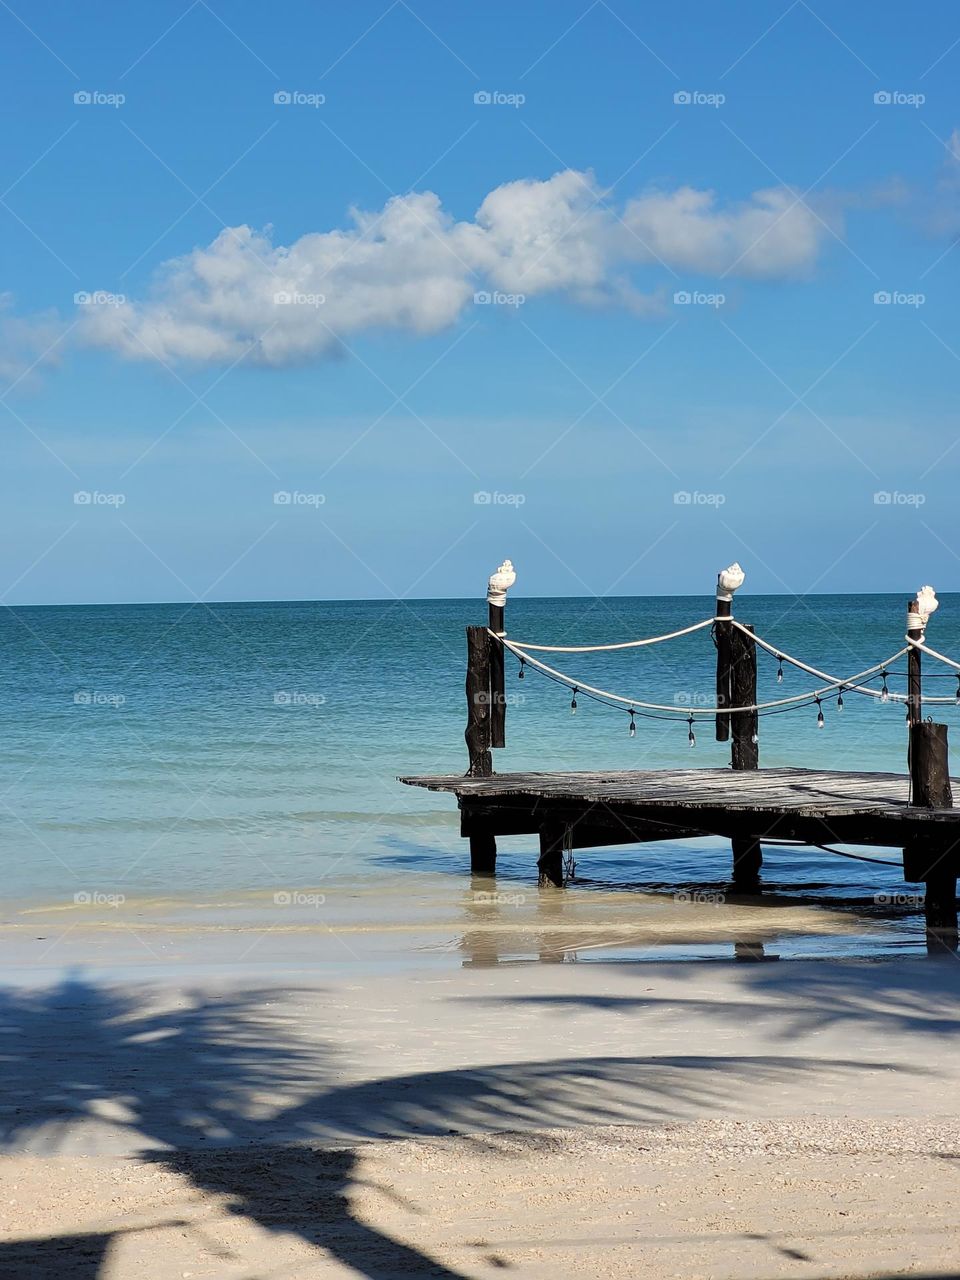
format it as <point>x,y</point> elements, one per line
<point>586,400</point>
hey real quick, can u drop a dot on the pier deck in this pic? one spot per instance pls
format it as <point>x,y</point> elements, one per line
<point>585,810</point>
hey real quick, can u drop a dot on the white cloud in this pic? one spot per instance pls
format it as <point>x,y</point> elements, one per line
<point>26,342</point>
<point>414,268</point>
<point>769,236</point>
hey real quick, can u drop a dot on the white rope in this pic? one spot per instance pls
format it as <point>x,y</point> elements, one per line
<point>836,684</point>
<point>686,712</point>
<point>604,648</point>
<point>932,653</point>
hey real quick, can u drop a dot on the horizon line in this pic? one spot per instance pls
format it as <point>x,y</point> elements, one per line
<point>677,595</point>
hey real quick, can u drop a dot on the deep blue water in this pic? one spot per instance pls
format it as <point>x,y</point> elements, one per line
<point>188,750</point>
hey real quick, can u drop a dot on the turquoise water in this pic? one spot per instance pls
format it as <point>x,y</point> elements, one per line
<point>166,749</point>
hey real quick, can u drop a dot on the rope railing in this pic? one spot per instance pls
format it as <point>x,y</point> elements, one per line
<point>851,684</point>
<point>921,647</point>
<point>735,705</point>
<point>607,648</point>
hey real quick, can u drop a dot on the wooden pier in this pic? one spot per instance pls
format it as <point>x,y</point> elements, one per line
<point>746,804</point>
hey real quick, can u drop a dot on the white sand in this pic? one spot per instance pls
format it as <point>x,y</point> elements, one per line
<point>750,1120</point>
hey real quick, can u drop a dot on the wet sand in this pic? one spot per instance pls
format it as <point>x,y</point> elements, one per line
<point>411,922</point>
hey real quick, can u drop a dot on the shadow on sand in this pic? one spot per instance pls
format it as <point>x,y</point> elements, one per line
<point>221,1091</point>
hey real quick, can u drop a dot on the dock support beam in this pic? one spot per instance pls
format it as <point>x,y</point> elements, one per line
<point>550,862</point>
<point>483,853</point>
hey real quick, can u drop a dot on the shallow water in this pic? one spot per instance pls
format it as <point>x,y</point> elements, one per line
<point>197,753</point>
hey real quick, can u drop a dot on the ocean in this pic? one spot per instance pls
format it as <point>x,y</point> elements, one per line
<point>201,751</point>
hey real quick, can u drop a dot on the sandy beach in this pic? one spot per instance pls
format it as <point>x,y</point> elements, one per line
<point>715,1120</point>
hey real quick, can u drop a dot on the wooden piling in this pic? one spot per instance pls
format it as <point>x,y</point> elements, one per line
<point>914,684</point>
<point>483,853</point>
<point>744,725</point>
<point>477,733</point>
<point>929,765</point>
<point>721,638</point>
<point>498,705</point>
<point>737,687</point>
<point>550,862</point>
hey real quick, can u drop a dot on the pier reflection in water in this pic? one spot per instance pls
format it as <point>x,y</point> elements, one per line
<point>509,923</point>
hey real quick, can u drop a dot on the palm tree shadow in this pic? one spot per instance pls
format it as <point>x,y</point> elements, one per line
<point>218,1089</point>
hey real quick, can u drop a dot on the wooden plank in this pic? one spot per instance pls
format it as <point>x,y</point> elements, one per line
<point>794,792</point>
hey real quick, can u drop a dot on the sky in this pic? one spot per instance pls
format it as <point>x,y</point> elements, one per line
<point>316,300</point>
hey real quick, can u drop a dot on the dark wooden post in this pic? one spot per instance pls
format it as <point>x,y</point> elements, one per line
<point>721,638</point>
<point>744,725</point>
<point>483,845</point>
<point>737,687</point>
<point>497,588</point>
<point>914,685</point>
<point>550,862</point>
<point>498,693</point>
<point>928,761</point>
<point>477,733</point>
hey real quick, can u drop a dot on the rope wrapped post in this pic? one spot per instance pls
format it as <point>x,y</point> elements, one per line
<point>737,687</point>
<point>497,588</point>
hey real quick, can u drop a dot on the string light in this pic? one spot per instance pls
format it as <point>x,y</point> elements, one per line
<point>884,691</point>
<point>779,670</point>
<point>633,727</point>
<point>691,736</point>
<point>820,720</point>
<point>573,701</point>
<point>840,698</point>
